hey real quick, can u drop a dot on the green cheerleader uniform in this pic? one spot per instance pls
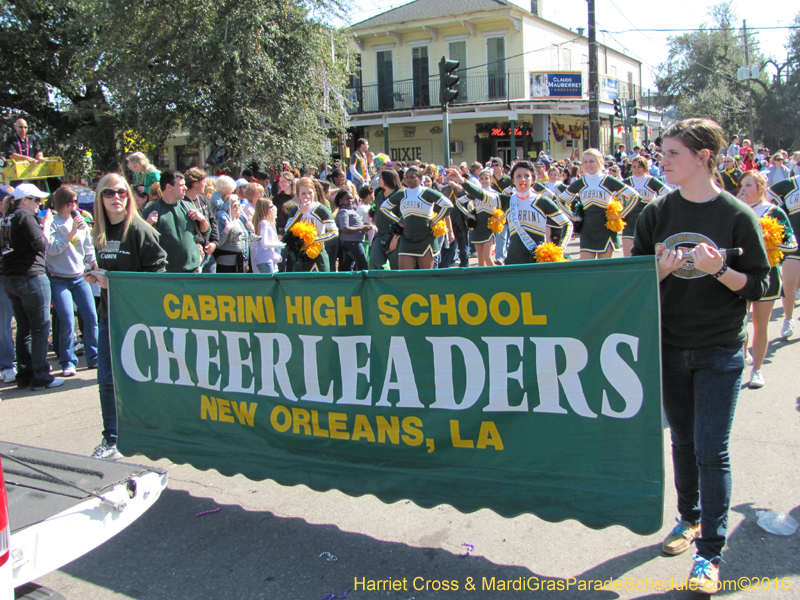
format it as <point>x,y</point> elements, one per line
<point>648,188</point>
<point>321,218</point>
<point>595,193</point>
<point>533,211</point>
<point>416,208</point>
<point>786,194</point>
<point>789,244</point>
<point>486,202</point>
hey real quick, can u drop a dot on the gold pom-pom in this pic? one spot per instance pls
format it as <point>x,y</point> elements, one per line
<point>313,250</point>
<point>775,257</point>
<point>549,252</point>
<point>497,221</point>
<point>305,231</point>
<point>439,228</point>
<point>773,235</point>
<point>613,212</point>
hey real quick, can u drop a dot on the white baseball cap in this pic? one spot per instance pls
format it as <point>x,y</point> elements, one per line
<point>23,190</point>
<point>242,181</point>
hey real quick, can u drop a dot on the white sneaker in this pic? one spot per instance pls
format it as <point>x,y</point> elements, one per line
<point>748,359</point>
<point>788,329</point>
<point>756,379</point>
<point>9,375</point>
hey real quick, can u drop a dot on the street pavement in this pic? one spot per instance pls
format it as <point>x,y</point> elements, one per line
<point>290,543</point>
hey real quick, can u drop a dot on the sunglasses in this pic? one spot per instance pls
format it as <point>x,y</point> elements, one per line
<point>33,199</point>
<point>111,192</point>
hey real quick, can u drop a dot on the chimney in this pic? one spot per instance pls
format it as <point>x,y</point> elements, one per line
<point>537,8</point>
<point>580,31</point>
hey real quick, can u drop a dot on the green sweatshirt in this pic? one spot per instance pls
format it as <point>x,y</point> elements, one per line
<point>177,235</point>
<point>698,311</point>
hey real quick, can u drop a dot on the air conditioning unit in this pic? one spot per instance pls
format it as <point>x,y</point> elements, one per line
<point>456,147</point>
<point>570,143</point>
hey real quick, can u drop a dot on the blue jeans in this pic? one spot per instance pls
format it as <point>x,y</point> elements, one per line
<point>267,267</point>
<point>30,298</point>
<point>64,291</point>
<point>105,382</point>
<point>7,354</point>
<point>209,264</point>
<point>353,253</point>
<point>501,240</point>
<point>701,387</point>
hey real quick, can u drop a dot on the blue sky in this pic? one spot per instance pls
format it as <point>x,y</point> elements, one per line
<point>622,15</point>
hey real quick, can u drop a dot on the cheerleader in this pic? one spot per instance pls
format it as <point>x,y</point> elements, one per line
<point>786,194</point>
<point>312,212</point>
<point>415,210</point>
<point>527,213</point>
<point>648,189</point>
<point>485,204</point>
<point>752,190</point>
<point>596,191</point>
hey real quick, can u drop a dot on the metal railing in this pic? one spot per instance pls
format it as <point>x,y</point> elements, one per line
<point>406,95</point>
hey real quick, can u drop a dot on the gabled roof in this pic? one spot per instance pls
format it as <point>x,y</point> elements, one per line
<point>429,9</point>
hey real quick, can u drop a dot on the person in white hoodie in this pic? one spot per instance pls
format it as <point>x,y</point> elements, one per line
<point>266,252</point>
<point>70,253</point>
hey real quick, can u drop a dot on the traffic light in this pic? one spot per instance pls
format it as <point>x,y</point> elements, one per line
<point>448,81</point>
<point>632,121</point>
<point>618,110</point>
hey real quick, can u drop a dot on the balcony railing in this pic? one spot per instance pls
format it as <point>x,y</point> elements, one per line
<point>406,95</point>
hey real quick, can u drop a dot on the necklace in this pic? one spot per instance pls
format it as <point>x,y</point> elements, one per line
<point>26,151</point>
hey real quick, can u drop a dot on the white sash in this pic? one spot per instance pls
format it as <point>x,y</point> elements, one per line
<point>513,218</point>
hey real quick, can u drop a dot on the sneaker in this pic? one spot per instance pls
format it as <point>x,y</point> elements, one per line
<point>69,372</point>
<point>748,359</point>
<point>680,538</point>
<point>704,578</point>
<point>53,384</point>
<point>79,351</point>
<point>788,329</point>
<point>9,375</point>
<point>92,367</point>
<point>106,451</point>
<point>756,379</point>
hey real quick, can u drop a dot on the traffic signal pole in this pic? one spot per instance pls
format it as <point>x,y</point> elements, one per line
<point>446,135</point>
<point>448,91</point>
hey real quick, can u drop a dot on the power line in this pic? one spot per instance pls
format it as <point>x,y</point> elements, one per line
<point>702,29</point>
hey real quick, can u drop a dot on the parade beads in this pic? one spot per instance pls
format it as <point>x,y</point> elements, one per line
<point>497,221</point>
<point>308,233</point>
<point>549,252</point>
<point>773,235</point>
<point>439,228</point>
<point>614,210</point>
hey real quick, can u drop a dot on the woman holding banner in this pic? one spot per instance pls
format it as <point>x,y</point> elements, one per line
<point>123,242</point>
<point>704,294</point>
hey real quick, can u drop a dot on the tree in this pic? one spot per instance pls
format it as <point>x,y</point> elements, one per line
<point>780,119</point>
<point>263,78</point>
<point>699,77</point>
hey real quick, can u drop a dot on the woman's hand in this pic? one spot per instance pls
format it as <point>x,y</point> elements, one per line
<point>707,259</point>
<point>249,225</point>
<point>454,175</point>
<point>669,261</point>
<point>393,243</point>
<point>228,226</point>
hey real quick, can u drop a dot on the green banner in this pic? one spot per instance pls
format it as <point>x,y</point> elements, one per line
<point>523,389</point>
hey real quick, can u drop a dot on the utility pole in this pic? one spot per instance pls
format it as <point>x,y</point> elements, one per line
<point>749,87</point>
<point>594,95</point>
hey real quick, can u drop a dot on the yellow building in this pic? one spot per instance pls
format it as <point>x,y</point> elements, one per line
<point>523,83</point>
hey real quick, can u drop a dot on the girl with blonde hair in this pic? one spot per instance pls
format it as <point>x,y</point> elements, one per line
<point>595,191</point>
<point>266,251</point>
